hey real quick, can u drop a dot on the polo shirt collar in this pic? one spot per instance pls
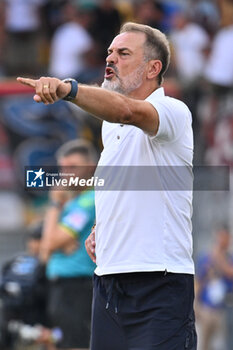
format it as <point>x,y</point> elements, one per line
<point>158,92</point>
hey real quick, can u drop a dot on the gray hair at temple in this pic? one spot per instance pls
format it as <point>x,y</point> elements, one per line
<point>79,146</point>
<point>156,46</point>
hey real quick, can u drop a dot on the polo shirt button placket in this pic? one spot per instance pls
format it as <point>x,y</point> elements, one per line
<point>118,136</point>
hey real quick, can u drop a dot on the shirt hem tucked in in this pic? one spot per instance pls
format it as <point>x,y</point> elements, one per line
<point>126,269</point>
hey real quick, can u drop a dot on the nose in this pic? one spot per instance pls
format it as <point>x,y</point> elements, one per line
<point>112,58</point>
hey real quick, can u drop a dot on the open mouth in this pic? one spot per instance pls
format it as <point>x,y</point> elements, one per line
<point>109,73</point>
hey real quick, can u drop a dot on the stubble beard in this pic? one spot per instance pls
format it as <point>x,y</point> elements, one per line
<point>129,83</point>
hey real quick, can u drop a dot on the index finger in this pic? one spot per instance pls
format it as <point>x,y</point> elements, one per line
<point>27,81</point>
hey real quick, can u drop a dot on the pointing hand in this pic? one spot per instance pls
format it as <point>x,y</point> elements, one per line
<point>47,90</point>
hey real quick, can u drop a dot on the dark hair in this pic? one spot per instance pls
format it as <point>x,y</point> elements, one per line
<point>156,45</point>
<point>79,146</point>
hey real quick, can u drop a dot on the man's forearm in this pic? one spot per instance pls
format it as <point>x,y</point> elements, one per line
<point>50,224</point>
<point>116,108</point>
<point>106,105</point>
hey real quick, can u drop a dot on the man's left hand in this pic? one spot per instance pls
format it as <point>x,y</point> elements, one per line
<point>90,245</point>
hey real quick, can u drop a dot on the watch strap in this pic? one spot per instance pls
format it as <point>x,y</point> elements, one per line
<point>74,89</point>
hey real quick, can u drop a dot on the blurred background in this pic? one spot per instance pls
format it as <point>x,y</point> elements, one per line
<point>65,38</point>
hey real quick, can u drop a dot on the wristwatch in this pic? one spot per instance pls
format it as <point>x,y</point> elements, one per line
<point>74,89</point>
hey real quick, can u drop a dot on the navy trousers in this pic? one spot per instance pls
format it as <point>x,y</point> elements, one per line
<point>143,311</point>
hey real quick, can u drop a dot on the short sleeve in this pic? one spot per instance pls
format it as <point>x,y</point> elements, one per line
<point>173,118</point>
<point>75,221</point>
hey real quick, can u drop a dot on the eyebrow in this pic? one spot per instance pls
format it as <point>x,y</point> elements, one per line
<point>121,49</point>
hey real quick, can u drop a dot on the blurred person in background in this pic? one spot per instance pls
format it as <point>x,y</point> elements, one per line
<point>214,305</point>
<point>216,113</point>
<point>150,12</point>
<point>69,218</point>
<point>206,14</point>
<point>2,36</point>
<point>219,68</point>
<point>190,42</point>
<point>71,41</point>
<point>106,24</point>
<point>24,288</point>
<point>126,10</point>
<point>22,36</point>
<point>94,66</point>
<point>53,15</point>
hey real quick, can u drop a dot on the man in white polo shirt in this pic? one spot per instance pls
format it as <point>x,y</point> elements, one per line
<point>143,283</point>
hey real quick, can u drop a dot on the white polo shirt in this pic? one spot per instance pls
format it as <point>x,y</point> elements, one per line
<point>146,230</point>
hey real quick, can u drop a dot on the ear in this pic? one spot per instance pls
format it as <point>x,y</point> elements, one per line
<point>154,68</point>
